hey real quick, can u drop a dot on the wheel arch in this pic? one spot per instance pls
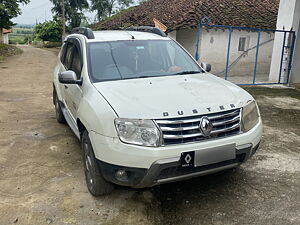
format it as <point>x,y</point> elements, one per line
<point>81,126</point>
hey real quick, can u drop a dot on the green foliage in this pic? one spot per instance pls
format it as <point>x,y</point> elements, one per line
<point>17,40</point>
<point>99,26</point>
<point>25,31</point>
<point>73,11</point>
<point>8,10</point>
<point>101,7</point>
<point>106,8</point>
<point>49,31</point>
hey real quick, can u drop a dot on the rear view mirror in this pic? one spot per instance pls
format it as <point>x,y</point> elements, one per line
<point>206,67</point>
<point>69,77</point>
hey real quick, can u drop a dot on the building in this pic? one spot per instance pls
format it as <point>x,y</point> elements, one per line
<point>5,33</point>
<point>182,18</point>
<point>288,19</point>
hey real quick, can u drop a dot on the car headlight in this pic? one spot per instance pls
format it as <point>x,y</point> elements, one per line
<point>250,116</point>
<point>138,132</point>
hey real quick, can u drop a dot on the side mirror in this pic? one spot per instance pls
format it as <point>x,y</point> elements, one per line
<point>206,67</point>
<point>68,77</point>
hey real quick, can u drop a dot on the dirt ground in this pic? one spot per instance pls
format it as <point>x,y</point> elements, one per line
<point>42,179</point>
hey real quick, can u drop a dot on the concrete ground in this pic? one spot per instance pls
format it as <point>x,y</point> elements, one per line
<point>42,179</point>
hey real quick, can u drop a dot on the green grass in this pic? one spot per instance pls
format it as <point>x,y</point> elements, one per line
<point>2,46</point>
<point>19,39</point>
<point>274,92</point>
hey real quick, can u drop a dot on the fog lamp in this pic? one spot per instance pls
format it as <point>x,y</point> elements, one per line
<point>121,175</point>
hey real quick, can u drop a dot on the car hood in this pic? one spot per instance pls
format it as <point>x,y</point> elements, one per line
<point>176,96</point>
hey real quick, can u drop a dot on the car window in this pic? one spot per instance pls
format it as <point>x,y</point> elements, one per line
<point>63,53</point>
<point>68,56</point>
<point>139,58</point>
<point>76,62</point>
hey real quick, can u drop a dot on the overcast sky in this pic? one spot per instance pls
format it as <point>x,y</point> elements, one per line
<point>39,10</point>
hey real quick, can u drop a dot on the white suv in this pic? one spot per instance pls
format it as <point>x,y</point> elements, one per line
<point>146,112</point>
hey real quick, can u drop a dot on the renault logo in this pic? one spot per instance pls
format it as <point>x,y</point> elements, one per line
<point>205,126</point>
<point>188,158</point>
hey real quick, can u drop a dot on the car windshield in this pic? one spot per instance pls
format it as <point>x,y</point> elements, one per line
<point>119,60</point>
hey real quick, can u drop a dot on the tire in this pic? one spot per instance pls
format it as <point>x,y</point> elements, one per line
<point>58,111</point>
<point>95,182</point>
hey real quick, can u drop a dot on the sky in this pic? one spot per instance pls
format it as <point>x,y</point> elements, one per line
<point>39,11</point>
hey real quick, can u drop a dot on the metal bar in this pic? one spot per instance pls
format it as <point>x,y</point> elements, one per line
<point>246,28</point>
<point>291,57</point>
<point>179,128</point>
<point>256,57</point>
<point>226,129</point>
<point>236,118</point>
<point>222,116</point>
<point>197,56</point>
<point>281,61</point>
<point>228,53</point>
<point>174,136</point>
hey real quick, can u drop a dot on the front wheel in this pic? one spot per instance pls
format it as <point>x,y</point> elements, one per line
<point>96,183</point>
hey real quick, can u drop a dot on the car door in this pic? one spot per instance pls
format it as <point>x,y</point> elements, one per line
<point>61,68</point>
<point>66,61</point>
<point>73,92</point>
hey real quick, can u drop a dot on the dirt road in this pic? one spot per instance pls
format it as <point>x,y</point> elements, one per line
<point>42,180</point>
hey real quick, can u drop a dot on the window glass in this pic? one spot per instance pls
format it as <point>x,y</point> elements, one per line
<point>134,59</point>
<point>242,44</point>
<point>76,62</point>
<point>68,57</point>
<point>63,53</point>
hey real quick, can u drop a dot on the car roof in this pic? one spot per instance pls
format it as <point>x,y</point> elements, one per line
<point>118,35</point>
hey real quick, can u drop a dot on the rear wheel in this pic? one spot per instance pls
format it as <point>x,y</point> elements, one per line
<point>96,183</point>
<point>58,111</point>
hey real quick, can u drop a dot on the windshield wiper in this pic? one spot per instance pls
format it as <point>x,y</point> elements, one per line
<point>187,72</point>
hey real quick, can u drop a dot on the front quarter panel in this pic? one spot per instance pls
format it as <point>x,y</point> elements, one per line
<point>95,113</point>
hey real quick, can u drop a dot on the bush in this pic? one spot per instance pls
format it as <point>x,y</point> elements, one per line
<point>8,50</point>
<point>49,31</point>
<point>19,39</point>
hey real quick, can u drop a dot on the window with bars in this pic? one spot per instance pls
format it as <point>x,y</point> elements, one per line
<point>242,44</point>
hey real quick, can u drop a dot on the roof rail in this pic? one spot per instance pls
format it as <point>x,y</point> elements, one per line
<point>84,31</point>
<point>149,29</point>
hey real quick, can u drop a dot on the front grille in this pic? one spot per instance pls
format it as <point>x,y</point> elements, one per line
<point>186,129</point>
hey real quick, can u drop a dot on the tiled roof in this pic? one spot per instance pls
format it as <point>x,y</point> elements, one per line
<point>177,14</point>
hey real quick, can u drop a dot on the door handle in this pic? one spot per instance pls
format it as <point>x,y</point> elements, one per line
<point>66,87</point>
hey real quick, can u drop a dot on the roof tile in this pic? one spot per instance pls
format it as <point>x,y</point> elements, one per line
<point>176,14</point>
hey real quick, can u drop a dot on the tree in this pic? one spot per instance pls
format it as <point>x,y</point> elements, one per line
<point>49,31</point>
<point>106,8</point>
<point>101,7</point>
<point>8,10</point>
<point>73,10</point>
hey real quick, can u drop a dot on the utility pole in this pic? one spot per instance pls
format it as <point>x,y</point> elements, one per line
<point>63,19</point>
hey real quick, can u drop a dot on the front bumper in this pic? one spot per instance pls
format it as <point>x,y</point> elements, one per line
<point>170,170</point>
<point>113,151</point>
